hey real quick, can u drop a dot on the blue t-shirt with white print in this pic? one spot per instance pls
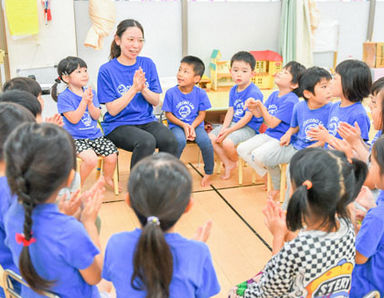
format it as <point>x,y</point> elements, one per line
<point>186,107</point>
<point>306,118</point>
<point>114,80</point>
<point>86,128</point>
<point>281,108</point>
<point>351,114</point>
<point>237,100</point>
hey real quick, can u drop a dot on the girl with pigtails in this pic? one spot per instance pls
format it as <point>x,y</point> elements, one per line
<point>318,261</point>
<point>154,261</point>
<point>54,252</point>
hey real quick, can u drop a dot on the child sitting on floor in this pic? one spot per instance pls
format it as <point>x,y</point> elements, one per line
<point>185,106</point>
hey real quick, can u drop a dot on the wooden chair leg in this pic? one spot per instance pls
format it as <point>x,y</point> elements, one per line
<point>269,182</point>
<point>283,181</point>
<point>99,167</point>
<point>116,181</point>
<point>240,169</point>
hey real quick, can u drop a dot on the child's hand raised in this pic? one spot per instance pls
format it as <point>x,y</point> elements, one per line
<point>88,96</point>
<point>343,146</point>
<point>352,134</point>
<point>253,106</point>
<point>319,133</point>
<point>92,200</point>
<point>55,119</point>
<point>203,232</point>
<point>275,219</point>
<point>70,206</point>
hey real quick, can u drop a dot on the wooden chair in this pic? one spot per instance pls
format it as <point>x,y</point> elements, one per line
<point>283,181</point>
<point>100,164</point>
<point>241,164</point>
<point>8,285</point>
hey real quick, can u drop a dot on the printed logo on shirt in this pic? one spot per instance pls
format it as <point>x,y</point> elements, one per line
<point>335,282</point>
<point>272,109</point>
<point>309,124</point>
<point>86,119</point>
<point>238,108</point>
<point>122,89</point>
<point>184,108</point>
<point>333,125</point>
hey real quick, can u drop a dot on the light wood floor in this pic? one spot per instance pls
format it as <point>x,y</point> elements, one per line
<point>239,241</point>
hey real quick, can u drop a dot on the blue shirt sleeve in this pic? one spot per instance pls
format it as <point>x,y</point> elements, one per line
<point>295,120</point>
<point>370,234</point>
<point>78,249</point>
<point>168,102</point>
<point>284,111</point>
<point>65,103</point>
<point>209,285</point>
<point>205,104</point>
<point>105,87</point>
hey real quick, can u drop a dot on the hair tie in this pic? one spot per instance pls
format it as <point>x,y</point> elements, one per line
<point>307,184</point>
<point>20,239</point>
<point>153,220</point>
<point>58,80</point>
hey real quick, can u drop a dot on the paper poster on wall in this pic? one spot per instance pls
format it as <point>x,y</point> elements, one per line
<point>326,36</point>
<point>22,17</point>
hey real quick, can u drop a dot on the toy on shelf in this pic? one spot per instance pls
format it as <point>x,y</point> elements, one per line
<point>219,69</point>
<point>205,83</point>
<point>268,63</point>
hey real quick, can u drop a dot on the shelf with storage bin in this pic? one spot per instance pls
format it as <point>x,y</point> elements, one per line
<point>219,71</point>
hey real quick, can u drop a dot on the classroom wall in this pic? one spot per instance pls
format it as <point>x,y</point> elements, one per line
<point>54,41</point>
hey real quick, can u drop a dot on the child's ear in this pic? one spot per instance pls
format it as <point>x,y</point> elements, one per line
<point>189,206</point>
<point>307,94</point>
<point>294,86</point>
<point>196,79</point>
<point>65,78</point>
<point>71,176</point>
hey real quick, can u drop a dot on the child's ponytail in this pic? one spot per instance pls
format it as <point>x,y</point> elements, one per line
<point>35,172</point>
<point>54,93</point>
<point>297,208</point>
<point>153,262</point>
<point>159,192</point>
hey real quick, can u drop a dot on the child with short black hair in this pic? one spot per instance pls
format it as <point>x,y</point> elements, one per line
<point>185,107</point>
<point>54,252</point>
<point>311,112</point>
<point>324,183</point>
<point>368,274</point>
<point>277,113</point>
<point>239,124</point>
<point>352,83</point>
<point>81,110</point>
<point>25,99</point>
<point>154,261</point>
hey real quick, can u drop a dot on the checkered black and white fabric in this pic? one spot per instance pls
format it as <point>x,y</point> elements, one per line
<point>314,264</point>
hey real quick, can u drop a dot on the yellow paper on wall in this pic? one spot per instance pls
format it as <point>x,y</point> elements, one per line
<point>22,17</point>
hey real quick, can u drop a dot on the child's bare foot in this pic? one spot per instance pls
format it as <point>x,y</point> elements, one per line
<point>228,169</point>
<point>109,184</point>
<point>205,181</point>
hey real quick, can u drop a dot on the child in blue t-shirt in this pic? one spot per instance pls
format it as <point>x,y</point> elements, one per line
<point>11,116</point>
<point>54,252</point>
<point>368,274</point>
<point>239,124</point>
<point>81,110</point>
<point>277,114</point>
<point>312,112</point>
<point>155,261</point>
<point>351,83</point>
<point>185,106</point>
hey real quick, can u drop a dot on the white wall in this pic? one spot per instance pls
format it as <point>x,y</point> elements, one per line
<point>162,32</point>
<point>54,41</point>
<point>231,27</point>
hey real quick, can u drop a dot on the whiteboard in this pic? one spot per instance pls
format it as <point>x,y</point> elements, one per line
<point>162,32</point>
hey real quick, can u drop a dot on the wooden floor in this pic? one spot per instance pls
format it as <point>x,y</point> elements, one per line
<point>239,241</point>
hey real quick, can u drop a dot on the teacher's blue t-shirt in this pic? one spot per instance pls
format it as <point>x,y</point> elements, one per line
<point>237,100</point>
<point>186,107</point>
<point>114,80</point>
<point>305,118</point>
<point>86,128</point>
<point>351,114</point>
<point>281,108</point>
